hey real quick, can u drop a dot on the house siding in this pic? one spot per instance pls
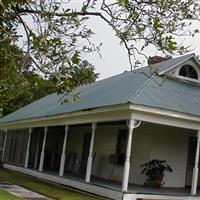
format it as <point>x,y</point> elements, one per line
<point>172,145</point>
<point>150,141</point>
<point>105,144</point>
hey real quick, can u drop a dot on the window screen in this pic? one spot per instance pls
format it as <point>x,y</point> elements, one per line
<point>16,144</point>
<point>121,146</point>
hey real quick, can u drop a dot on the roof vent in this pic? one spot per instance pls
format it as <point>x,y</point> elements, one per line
<point>157,59</point>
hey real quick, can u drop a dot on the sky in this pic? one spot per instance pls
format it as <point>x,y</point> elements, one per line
<point>114,58</point>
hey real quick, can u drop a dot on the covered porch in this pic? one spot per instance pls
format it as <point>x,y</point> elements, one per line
<point>83,155</point>
<point>111,189</point>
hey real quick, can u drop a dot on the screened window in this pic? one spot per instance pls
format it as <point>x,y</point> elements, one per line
<point>2,138</point>
<point>121,146</point>
<point>16,144</point>
<point>188,71</point>
<point>192,151</point>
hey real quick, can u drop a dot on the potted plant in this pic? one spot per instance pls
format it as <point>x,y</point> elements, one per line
<point>155,171</point>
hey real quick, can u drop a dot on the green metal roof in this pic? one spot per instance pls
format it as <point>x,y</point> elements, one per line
<point>170,94</point>
<point>138,87</point>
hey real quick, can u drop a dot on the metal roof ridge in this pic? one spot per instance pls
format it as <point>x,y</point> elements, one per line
<point>141,88</point>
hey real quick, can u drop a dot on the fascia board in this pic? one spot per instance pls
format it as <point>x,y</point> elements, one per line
<point>107,109</point>
<point>193,122</point>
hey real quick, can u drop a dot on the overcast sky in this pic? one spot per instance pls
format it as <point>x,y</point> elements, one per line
<point>114,59</point>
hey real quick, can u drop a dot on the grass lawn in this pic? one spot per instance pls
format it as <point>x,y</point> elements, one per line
<point>50,190</point>
<point>4,195</point>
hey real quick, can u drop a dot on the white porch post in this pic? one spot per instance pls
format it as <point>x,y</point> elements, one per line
<point>90,157</point>
<point>62,161</point>
<point>28,148</point>
<point>196,167</point>
<point>125,179</point>
<point>36,152</point>
<point>43,150</point>
<point>4,145</point>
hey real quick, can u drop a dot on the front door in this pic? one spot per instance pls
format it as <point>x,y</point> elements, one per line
<point>191,161</point>
<point>85,152</point>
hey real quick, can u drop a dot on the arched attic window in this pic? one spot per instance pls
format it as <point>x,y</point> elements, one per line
<point>189,72</point>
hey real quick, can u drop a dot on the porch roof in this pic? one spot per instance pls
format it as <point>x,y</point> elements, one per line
<point>137,87</point>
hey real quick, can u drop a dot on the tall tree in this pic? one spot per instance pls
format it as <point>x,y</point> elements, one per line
<point>57,35</point>
<point>21,85</point>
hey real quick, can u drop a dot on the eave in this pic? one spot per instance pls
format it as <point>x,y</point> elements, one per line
<point>165,117</point>
<point>112,113</point>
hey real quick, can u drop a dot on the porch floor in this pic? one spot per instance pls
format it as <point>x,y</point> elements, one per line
<point>109,188</point>
<point>139,189</point>
<point>133,188</point>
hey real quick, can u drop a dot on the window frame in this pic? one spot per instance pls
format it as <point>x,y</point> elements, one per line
<point>176,72</point>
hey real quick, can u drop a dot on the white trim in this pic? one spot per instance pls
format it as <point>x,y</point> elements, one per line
<point>43,149</point>
<point>62,161</point>
<point>37,151</point>
<point>187,79</point>
<point>165,117</point>
<point>28,148</point>
<point>113,113</point>
<point>191,63</point>
<point>157,197</point>
<point>172,67</point>
<point>4,145</point>
<point>196,167</point>
<point>132,125</point>
<point>90,157</point>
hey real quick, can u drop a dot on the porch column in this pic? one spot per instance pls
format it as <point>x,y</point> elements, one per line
<point>43,150</point>
<point>62,161</point>
<point>36,152</point>
<point>132,125</point>
<point>4,145</point>
<point>90,157</point>
<point>28,148</point>
<point>196,167</point>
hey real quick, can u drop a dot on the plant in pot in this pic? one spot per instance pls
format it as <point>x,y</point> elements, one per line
<point>155,171</point>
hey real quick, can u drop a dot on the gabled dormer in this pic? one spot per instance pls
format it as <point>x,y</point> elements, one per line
<point>184,68</point>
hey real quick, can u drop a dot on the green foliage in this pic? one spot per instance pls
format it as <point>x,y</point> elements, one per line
<point>29,88</point>
<point>155,169</point>
<point>20,86</point>
<point>6,195</point>
<point>62,36</point>
<point>55,48</point>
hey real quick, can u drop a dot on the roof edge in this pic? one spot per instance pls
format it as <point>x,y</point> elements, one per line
<point>68,115</point>
<point>162,116</point>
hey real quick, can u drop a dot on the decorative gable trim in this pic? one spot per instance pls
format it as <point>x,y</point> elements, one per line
<point>177,75</point>
<point>174,70</point>
<point>179,63</point>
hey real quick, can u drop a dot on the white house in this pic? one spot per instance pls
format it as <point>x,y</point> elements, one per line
<point>99,143</point>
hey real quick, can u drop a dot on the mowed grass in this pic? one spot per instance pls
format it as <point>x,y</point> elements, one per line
<point>4,195</point>
<point>50,190</point>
